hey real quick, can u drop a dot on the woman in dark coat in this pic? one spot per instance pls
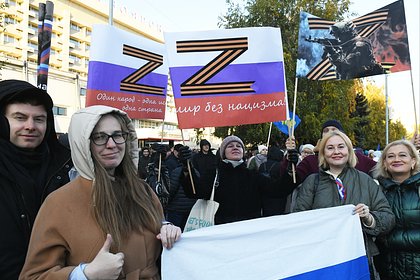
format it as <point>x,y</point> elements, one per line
<point>398,173</point>
<point>240,190</point>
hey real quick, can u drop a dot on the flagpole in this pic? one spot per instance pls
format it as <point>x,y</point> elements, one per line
<point>269,134</point>
<point>188,164</point>
<point>294,107</point>
<point>292,134</point>
<point>386,110</point>
<point>414,101</point>
<point>111,12</point>
<point>161,141</point>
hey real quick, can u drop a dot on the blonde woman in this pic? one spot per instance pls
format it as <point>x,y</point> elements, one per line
<point>339,183</point>
<point>106,223</point>
<point>398,173</point>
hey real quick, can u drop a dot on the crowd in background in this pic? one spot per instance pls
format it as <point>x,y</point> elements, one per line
<point>90,206</point>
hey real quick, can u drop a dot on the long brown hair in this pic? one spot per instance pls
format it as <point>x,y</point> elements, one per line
<point>125,203</point>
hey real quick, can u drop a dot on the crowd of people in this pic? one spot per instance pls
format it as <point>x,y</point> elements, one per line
<point>100,208</point>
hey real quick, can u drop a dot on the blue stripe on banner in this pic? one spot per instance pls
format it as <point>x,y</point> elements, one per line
<point>325,244</point>
<point>107,76</point>
<point>357,269</point>
<point>268,76</point>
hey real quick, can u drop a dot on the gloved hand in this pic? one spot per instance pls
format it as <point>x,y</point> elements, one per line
<point>185,154</point>
<point>293,158</point>
<point>160,149</point>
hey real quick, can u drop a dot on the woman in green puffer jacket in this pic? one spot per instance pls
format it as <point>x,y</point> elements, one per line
<point>398,174</point>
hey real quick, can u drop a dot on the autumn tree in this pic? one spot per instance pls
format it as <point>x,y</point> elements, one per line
<point>316,101</point>
<point>360,116</point>
<point>375,130</point>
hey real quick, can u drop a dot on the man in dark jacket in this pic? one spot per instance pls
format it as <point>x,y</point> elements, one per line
<point>272,205</point>
<point>32,165</point>
<point>204,161</point>
<point>179,205</point>
<point>172,161</point>
<point>144,159</point>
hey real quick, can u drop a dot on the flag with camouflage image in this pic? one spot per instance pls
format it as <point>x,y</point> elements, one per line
<point>373,44</point>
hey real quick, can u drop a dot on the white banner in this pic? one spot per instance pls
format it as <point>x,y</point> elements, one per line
<point>318,244</point>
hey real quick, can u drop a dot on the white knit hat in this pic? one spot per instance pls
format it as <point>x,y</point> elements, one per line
<point>261,147</point>
<point>226,141</point>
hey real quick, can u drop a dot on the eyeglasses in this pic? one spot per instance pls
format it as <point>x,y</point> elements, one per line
<point>102,138</point>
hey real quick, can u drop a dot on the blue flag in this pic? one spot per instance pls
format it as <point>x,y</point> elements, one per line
<point>283,126</point>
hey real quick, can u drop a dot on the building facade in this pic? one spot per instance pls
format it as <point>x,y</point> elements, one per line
<point>69,57</point>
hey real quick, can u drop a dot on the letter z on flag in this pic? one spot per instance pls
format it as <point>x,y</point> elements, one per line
<point>318,244</point>
<point>227,77</point>
<point>128,72</point>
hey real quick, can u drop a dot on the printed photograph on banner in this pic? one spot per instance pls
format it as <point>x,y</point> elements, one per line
<point>373,44</point>
<point>128,72</point>
<point>227,77</point>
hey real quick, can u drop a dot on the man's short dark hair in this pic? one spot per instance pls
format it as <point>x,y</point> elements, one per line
<point>177,147</point>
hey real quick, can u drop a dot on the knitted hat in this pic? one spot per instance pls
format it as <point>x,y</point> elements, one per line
<point>262,147</point>
<point>306,146</point>
<point>226,141</point>
<point>333,123</point>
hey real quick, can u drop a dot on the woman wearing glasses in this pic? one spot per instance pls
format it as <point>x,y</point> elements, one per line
<point>106,223</point>
<point>339,183</point>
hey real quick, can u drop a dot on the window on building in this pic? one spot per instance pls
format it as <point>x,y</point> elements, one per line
<point>149,124</point>
<point>59,111</point>
<point>76,59</point>
<point>83,91</point>
<point>55,36</point>
<point>32,27</point>
<point>88,32</point>
<point>75,42</point>
<point>10,3</point>
<point>8,39</point>
<point>33,12</point>
<point>74,27</point>
<point>33,45</point>
<point>10,20</point>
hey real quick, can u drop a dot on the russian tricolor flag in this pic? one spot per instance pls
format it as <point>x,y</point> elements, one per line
<point>128,72</point>
<point>318,244</point>
<point>227,77</point>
